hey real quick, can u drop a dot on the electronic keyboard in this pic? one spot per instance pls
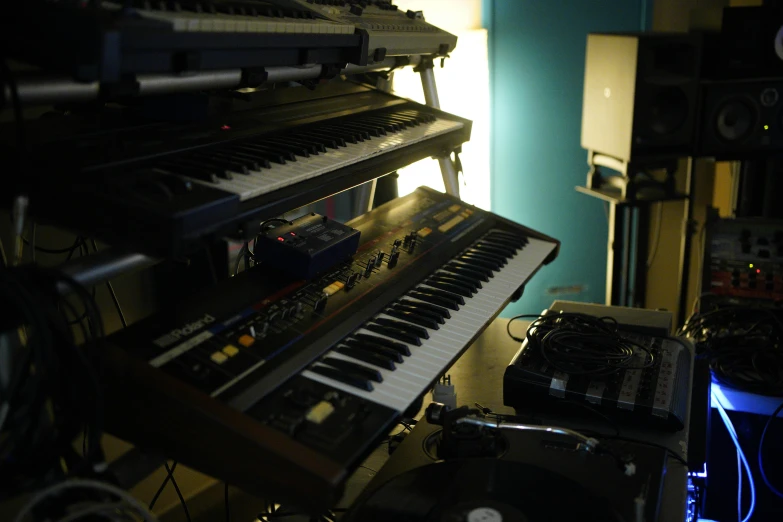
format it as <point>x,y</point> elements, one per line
<point>163,188</point>
<point>114,41</point>
<point>390,31</point>
<point>282,386</point>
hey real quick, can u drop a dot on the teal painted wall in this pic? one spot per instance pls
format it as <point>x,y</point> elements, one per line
<point>536,53</point>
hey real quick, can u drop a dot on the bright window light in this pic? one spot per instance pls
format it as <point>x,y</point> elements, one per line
<point>463,89</point>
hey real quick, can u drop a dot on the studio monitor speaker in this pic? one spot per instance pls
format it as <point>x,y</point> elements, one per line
<point>640,95</point>
<point>741,118</point>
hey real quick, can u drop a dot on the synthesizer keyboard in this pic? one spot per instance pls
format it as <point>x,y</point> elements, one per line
<point>390,31</point>
<point>305,377</point>
<point>162,188</point>
<point>162,37</point>
<point>232,16</point>
<point>655,396</point>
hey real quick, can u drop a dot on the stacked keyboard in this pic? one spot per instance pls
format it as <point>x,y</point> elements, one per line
<point>307,376</point>
<point>171,37</point>
<point>163,188</point>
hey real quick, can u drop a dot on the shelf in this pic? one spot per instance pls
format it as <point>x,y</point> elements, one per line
<point>643,196</point>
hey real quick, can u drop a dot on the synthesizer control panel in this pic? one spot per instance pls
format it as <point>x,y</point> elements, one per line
<point>744,260</point>
<point>310,373</point>
<point>391,31</point>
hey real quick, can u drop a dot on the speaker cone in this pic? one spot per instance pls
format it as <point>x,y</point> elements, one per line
<point>667,110</point>
<point>734,121</point>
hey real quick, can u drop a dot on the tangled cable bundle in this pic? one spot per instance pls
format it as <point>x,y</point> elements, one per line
<point>52,390</point>
<point>580,344</point>
<point>744,346</point>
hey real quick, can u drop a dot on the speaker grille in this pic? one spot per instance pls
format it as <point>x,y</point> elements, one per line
<point>735,120</point>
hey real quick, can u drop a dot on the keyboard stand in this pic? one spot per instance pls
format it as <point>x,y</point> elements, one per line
<point>447,168</point>
<point>364,194</point>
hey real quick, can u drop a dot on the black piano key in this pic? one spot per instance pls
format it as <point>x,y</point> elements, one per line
<point>214,166</point>
<point>412,317</point>
<point>454,288</point>
<point>424,295</point>
<point>461,272</point>
<point>395,333</point>
<point>353,368</point>
<point>348,134</point>
<point>508,242</point>
<point>272,148</point>
<point>253,161</point>
<point>219,161</point>
<point>423,116</point>
<point>495,248</point>
<point>370,357</point>
<point>342,133</point>
<point>309,145</point>
<point>500,242</point>
<point>418,331</point>
<point>375,348</point>
<point>343,377</point>
<point>414,116</point>
<point>372,126</point>
<point>262,152</point>
<point>388,126</point>
<point>442,312</point>
<point>509,236</point>
<point>191,172</point>
<point>465,272</point>
<point>419,311</point>
<point>469,266</point>
<point>444,294</point>
<point>405,122</point>
<point>474,284</point>
<point>478,261</point>
<point>402,124</point>
<point>414,119</point>
<point>332,142</point>
<point>498,258</point>
<point>400,348</point>
<point>369,130</point>
<point>350,126</point>
<point>285,144</point>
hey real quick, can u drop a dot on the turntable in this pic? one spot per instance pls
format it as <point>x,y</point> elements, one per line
<point>460,466</point>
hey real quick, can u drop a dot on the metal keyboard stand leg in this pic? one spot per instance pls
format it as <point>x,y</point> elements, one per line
<point>447,168</point>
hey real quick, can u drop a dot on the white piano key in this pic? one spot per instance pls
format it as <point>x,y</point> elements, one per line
<point>436,354</point>
<point>293,172</point>
<point>189,21</point>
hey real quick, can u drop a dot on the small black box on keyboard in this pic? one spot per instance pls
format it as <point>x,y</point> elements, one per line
<point>307,245</point>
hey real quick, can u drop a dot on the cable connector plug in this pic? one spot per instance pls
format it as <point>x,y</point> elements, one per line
<point>444,392</point>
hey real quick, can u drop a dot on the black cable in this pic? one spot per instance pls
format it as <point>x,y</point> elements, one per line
<point>54,390</point>
<point>772,488</point>
<point>581,344</point>
<point>111,291</point>
<point>242,252</point>
<point>744,346</point>
<point>657,241</point>
<point>45,250</point>
<point>169,475</point>
<point>668,451</point>
<point>179,493</point>
<point>225,500</point>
